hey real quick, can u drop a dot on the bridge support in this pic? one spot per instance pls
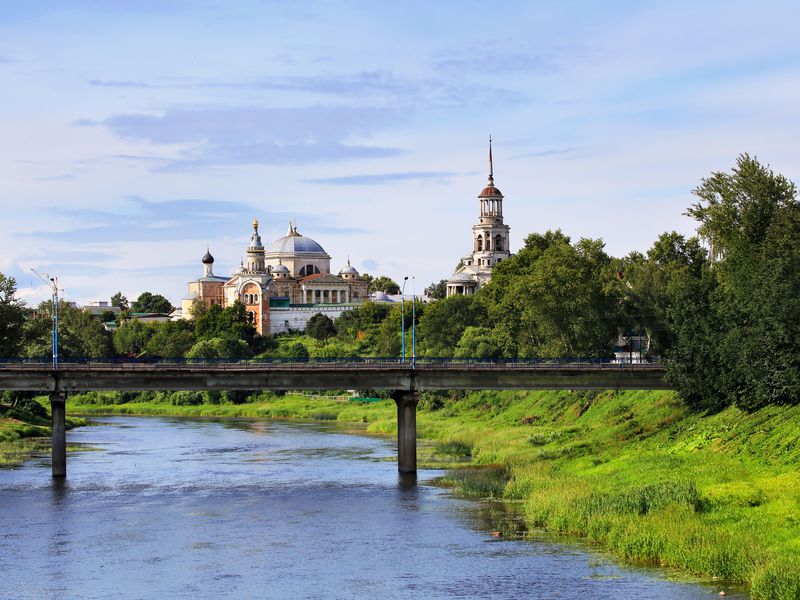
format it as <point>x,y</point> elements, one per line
<point>406,430</point>
<point>59,447</point>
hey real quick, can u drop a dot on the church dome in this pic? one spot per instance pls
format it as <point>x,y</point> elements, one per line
<point>490,192</point>
<point>348,270</point>
<point>280,269</point>
<point>208,259</point>
<point>296,244</point>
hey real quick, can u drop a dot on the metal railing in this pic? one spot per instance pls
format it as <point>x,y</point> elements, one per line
<point>338,363</point>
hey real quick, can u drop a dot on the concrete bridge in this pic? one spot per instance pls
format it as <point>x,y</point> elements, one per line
<point>405,380</point>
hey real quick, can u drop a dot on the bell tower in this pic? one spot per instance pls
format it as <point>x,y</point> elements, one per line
<point>490,234</point>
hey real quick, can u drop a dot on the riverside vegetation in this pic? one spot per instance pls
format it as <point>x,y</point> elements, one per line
<point>702,478</point>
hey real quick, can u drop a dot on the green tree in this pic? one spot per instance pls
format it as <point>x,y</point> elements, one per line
<point>481,342</point>
<point>437,291</point>
<point>555,298</point>
<point>12,318</point>
<point>230,321</point>
<point>746,338</point>
<point>120,301</point>
<point>131,337</point>
<point>443,323</point>
<point>172,339</point>
<point>152,303</point>
<point>295,351</point>
<point>384,284</point>
<point>320,327</point>
<point>80,335</point>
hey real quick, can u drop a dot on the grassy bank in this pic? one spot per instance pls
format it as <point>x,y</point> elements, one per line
<point>25,430</point>
<point>635,472</point>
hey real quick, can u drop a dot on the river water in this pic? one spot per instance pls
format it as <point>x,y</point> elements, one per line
<point>178,508</point>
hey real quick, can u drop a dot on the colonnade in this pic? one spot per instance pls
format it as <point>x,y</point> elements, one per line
<point>322,296</point>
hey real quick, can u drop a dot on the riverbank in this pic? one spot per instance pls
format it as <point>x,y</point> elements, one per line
<point>24,434</point>
<point>635,472</point>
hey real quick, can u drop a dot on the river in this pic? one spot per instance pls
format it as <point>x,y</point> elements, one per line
<point>179,508</point>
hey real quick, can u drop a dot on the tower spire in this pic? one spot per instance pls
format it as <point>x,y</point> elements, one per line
<point>491,166</point>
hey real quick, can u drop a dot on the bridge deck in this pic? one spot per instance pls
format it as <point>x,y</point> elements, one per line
<point>327,375</point>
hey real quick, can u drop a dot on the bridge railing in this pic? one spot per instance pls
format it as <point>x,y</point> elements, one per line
<point>343,362</point>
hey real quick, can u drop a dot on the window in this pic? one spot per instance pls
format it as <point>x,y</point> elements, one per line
<point>498,242</point>
<point>309,270</point>
<point>480,243</point>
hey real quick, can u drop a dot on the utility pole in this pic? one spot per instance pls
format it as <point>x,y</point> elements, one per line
<point>53,283</point>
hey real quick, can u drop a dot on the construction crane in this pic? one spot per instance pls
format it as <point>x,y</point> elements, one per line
<point>53,283</point>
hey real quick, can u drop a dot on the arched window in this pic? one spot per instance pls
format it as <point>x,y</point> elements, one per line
<point>251,316</point>
<point>488,242</point>
<point>480,243</point>
<point>309,270</point>
<point>498,242</point>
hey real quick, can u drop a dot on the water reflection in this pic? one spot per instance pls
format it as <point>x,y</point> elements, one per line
<point>202,509</point>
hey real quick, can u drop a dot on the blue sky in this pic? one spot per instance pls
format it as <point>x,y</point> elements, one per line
<point>136,132</point>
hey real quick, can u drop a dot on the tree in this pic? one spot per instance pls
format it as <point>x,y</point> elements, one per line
<point>320,327</point>
<point>120,301</point>
<point>737,325</point>
<point>295,351</point>
<point>172,339</point>
<point>437,290</point>
<point>384,284</point>
<point>230,321</point>
<point>152,303</point>
<point>481,342</point>
<point>12,318</point>
<point>444,322</point>
<point>80,335</point>
<point>555,298</point>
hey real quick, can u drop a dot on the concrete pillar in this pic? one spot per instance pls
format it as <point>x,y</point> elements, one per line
<point>406,430</point>
<point>59,444</point>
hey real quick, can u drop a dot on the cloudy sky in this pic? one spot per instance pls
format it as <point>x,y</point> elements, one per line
<point>134,132</point>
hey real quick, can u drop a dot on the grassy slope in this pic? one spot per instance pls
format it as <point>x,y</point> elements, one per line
<point>715,495</point>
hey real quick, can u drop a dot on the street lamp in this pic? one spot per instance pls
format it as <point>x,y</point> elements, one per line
<point>403,318</point>
<point>413,322</point>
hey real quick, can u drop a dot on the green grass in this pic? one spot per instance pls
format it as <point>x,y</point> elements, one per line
<point>27,434</point>
<point>637,473</point>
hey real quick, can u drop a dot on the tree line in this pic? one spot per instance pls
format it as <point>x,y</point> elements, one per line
<point>723,314</point>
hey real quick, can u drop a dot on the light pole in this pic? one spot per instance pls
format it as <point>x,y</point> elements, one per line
<point>403,318</point>
<point>53,283</point>
<point>413,322</point>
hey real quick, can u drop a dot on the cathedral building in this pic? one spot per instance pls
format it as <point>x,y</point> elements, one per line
<point>490,239</point>
<point>283,287</point>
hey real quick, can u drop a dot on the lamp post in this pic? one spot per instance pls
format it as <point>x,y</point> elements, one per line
<point>413,322</point>
<point>403,319</point>
<point>53,283</point>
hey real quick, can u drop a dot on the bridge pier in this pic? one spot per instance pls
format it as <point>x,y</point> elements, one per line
<point>406,430</point>
<point>59,445</point>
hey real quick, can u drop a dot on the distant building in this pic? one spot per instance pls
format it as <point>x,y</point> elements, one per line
<point>490,242</point>
<point>99,307</point>
<point>282,287</point>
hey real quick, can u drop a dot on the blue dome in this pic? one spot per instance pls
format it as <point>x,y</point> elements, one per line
<point>296,243</point>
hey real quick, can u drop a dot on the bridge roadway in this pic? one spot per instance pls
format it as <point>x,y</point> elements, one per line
<point>405,380</point>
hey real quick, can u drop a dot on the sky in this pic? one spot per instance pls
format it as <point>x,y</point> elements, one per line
<point>134,133</point>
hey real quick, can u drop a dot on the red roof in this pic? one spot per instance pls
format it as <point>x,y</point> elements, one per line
<point>490,190</point>
<point>310,277</point>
